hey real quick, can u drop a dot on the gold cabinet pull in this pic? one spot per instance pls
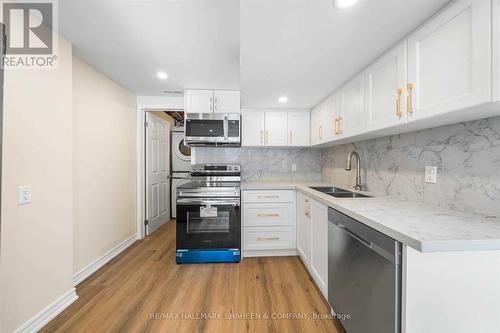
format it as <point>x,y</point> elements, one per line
<point>399,92</point>
<point>268,215</point>
<point>307,208</point>
<point>268,196</point>
<point>290,135</point>
<point>320,132</point>
<point>267,238</point>
<point>409,102</point>
<point>267,137</point>
<point>341,125</point>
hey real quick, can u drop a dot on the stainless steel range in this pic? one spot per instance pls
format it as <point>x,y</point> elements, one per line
<point>209,215</point>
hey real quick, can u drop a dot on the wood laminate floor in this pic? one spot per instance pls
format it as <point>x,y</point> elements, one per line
<point>144,290</point>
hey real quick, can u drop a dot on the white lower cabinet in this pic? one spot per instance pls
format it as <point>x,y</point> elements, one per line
<point>268,221</point>
<point>312,239</point>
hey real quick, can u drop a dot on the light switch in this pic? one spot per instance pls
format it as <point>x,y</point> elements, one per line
<point>431,174</point>
<point>294,167</point>
<point>24,195</point>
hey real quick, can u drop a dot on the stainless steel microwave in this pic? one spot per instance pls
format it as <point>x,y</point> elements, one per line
<point>212,129</point>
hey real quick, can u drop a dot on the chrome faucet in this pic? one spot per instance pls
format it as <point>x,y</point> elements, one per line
<point>358,186</point>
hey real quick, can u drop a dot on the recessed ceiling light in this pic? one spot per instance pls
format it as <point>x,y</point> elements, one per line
<point>345,3</point>
<point>162,75</point>
<point>283,99</point>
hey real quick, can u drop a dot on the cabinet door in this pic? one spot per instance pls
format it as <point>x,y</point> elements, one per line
<point>304,228</point>
<point>226,101</point>
<point>299,128</point>
<point>449,60</point>
<point>319,245</point>
<point>385,107</point>
<point>199,101</point>
<point>330,114</point>
<point>276,128</point>
<point>315,126</point>
<point>352,108</point>
<point>252,128</point>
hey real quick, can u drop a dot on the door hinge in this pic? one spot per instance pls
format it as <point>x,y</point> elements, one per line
<point>146,124</point>
<point>146,222</point>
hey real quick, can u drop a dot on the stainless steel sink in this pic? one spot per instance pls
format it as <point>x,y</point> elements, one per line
<point>339,192</point>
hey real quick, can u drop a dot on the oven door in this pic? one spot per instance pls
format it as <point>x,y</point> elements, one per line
<point>208,223</point>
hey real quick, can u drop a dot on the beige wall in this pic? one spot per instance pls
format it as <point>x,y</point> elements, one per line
<point>104,163</point>
<point>36,239</point>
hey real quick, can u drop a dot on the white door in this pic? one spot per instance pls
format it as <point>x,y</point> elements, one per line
<point>449,60</point>
<point>199,101</point>
<point>226,101</point>
<point>319,245</point>
<point>352,108</point>
<point>299,128</point>
<point>253,127</point>
<point>157,171</point>
<point>385,81</point>
<point>276,128</point>
<point>304,228</point>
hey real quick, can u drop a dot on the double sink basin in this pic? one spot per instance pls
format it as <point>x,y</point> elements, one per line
<point>339,192</point>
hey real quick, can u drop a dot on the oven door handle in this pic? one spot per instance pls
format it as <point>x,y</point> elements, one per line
<point>204,202</point>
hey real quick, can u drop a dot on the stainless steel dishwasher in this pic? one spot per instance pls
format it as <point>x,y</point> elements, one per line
<point>364,276</point>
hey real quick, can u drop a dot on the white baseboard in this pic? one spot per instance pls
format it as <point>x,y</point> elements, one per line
<point>269,253</point>
<point>94,266</point>
<point>43,317</point>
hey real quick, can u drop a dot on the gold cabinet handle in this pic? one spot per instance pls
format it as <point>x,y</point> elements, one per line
<point>268,196</point>
<point>290,133</point>
<point>337,126</point>
<point>409,101</point>
<point>320,132</point>
<point>267,137</point>
<point>267,238</point>
<point>341,125</point>
<point>399,92</point>
<point>307,208</point>
<point>268,215</point>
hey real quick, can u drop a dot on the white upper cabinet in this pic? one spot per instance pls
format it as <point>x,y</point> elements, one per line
<point>226,101</point>
<point>352,107</point>
<point>385,84</point>
<point>199,101</point>
<point>449,60</point>
<point>298,128</point>
<point>253,127</point>
<point>209,101</point>
<point>276,128</point>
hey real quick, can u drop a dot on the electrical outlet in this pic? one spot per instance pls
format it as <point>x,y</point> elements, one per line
<point>24,195</point>
<point>294,167</point>
<point>431,174</point>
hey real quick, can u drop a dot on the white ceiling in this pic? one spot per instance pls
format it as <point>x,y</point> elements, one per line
<point>195,41</point>
<point>305,49</point>
<point>300,48</point>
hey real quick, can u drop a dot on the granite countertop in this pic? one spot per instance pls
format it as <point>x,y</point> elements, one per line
<point>414,224</point>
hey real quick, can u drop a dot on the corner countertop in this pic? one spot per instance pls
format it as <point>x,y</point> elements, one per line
<point>414,224</point>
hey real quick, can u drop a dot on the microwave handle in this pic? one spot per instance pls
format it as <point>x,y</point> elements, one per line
<point>226,128</point>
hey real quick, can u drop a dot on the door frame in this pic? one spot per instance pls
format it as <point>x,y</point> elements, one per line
<point>145,104</point>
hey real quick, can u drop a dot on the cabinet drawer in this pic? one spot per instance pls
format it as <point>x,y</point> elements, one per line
<point>268,238</point>
<point>268,196</point>
<point>277,214</point>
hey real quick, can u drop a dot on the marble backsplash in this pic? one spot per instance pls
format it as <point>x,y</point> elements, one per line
<point>266,164</point>
<point>467,156</point>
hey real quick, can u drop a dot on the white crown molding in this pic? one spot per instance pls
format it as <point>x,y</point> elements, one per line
<point>42,318</point>
<point>94,266</point>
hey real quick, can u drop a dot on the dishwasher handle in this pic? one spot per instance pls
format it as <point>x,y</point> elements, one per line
<point>355,236</point>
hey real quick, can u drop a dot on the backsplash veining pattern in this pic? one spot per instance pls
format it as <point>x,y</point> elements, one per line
<point>467,156</point>
<point>266,164</point>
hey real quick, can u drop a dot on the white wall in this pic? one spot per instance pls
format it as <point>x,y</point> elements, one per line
<point>36,239</point>
<point>104,163</point>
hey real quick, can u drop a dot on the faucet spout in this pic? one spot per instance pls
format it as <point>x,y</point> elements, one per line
<point>357,186</point>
